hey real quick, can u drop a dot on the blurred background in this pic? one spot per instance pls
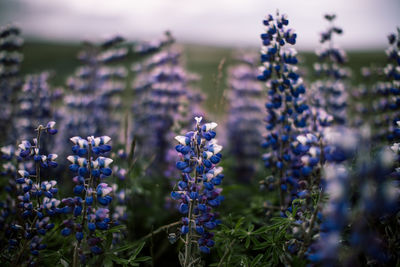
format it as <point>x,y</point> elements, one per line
<point>209,30</point>
<point>222,23</point>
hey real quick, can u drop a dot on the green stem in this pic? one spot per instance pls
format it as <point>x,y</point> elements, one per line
<point>308,234</point>
<point>282,148</point>
<point>188,241</point>
<point>21,252</point>
<point>87,187</point>
<point>227,250</point>
<point>37,164</point>
<point>158,230</point>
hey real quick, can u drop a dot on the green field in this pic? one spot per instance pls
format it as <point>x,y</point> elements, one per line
<point>209,62</point>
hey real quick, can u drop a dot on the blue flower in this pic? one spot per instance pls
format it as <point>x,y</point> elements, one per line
<point>197,194</point>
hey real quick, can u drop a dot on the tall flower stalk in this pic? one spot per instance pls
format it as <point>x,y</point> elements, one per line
<point>197,192</point>
<point>244,121</point>
<point>94,89</point>
<point>330,91</point>
<point>285,105</point>
<point>163,100</point>
<point>36,204</point>
<point>90,212</point>
<point>34,104</point>
<point>10,80</point>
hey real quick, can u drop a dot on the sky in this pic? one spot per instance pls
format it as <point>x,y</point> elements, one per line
<point>366,23</point>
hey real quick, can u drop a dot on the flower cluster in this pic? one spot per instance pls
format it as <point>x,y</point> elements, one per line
<point>93,196</point>
<point>197,190</point>
<point>26,215</point>
<point>34,104</point>
<point>330,91</point>
<point>367,217</point>
<point>385,106</point>
<point>286,107</point>
<point>10,82</point>
<point>362,98</point>
<point>245,115</point>
<point>161,88</point>
<point>155,45</point>
<point>94,89</point>
<point>121,191</point>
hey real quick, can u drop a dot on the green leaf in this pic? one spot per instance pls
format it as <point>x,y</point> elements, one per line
<point>288,214</point>
<point>247,244</point>
<point>261,230</point>
<point>251,228</point>
<point>117,229</point>
<point>245,261</point>
<point>262,245</point>
<point>132,152</point>
<point>109,241</point>
<point>256,260</point>
<point>108,262</point>
<point>139,248</point>
<point>118,260</point>
<point>254,240</point>
<point>123,248</point>
<point>239,223</point>
<point>144,258</point>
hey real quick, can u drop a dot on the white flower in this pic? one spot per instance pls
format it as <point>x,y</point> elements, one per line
<point>302,139</point>
<point>210,126</point>
<point>198,119</point>
<point>75,139</point>
<point>106,139</point>
<point>71,159</point>
<point>217,149</point>
<point>181,139</point>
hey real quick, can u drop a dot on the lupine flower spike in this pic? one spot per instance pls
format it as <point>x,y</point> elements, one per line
<point>93,195</point>
<point>28,217</point>
<point>197,191</point>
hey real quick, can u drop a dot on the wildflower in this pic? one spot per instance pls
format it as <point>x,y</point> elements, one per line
<point>164,103</point>
<point>89,163</point>
<point>330,93</point>
<point>35,200</point>
<point>197,190</point>
<point>244,119</point>
<point>287,111</point>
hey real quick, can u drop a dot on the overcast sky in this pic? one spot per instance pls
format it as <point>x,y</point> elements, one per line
<point>217,22</point>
